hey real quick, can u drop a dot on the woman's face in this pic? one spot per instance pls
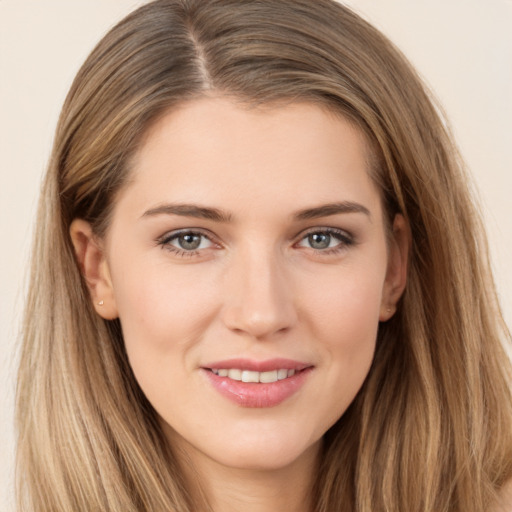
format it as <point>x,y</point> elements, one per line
<point>250,244</point>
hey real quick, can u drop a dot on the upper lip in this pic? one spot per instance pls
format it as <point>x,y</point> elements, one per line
<point>258,366</point>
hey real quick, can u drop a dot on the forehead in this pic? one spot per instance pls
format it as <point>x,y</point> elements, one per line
<point>212,114</point>
<point>216,150</point>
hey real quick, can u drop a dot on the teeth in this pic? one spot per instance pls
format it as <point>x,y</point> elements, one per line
<point>235,374</point>
<point>266,377</point>
<point>282,374</point>
<point>250,376</point>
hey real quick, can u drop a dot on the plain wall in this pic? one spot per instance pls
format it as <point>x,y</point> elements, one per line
<point>463,48</point>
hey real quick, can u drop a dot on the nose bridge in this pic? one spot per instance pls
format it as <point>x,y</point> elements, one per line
<point>259,301</point>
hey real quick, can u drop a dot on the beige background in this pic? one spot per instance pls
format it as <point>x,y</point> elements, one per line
<point>463,48</point>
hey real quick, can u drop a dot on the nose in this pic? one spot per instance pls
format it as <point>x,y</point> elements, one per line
<point>259,300</point>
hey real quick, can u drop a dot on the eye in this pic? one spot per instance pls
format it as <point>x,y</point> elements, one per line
<point>326,240</point>
<point>185,243</point>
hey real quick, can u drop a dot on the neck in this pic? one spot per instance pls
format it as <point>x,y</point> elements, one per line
<point>227,489</point>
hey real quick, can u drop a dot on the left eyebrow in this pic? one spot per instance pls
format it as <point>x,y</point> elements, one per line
<point>332,209</point>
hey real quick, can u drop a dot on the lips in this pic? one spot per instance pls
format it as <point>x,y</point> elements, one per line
<point>259,384</point>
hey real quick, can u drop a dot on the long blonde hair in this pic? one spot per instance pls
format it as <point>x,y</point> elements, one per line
<point>431,429</point>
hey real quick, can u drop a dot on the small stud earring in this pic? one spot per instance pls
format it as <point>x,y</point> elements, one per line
<point>100,303</point>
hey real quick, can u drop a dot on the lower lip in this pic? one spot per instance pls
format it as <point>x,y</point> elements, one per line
<point>252,394</point>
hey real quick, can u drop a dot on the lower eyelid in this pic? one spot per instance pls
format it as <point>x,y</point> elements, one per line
<point>180,252</point>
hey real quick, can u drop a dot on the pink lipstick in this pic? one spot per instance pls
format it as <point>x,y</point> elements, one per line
<point>250,383</point>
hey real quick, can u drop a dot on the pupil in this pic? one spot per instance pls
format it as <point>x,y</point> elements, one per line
<point>190,242</point>
<point>319,240</point>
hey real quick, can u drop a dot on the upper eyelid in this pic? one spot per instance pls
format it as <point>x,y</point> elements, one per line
<point>325,229</point>
<point>321,229</point>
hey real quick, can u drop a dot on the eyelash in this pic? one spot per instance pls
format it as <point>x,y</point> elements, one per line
<point>346,240</point>
<point>165,242</point>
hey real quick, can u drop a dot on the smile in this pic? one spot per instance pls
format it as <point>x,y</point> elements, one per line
<point>254,376</point>
<point>257,384</point>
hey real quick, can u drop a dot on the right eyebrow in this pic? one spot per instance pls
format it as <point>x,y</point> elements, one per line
<point>189,210</point>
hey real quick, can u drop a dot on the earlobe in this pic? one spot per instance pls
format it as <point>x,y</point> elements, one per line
<point>93,265</point>
<point>396,275</point>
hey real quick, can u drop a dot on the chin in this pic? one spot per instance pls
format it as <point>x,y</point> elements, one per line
<point>263,452</point>
<point>265,460</point>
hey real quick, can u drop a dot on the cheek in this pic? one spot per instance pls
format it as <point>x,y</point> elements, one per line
<point>344,318</point>
<point>159,304</point>
<point>162,313</point>
<point>346,305</point>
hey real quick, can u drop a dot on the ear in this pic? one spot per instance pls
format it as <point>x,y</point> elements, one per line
<point>93,264</point>
<point>396,275</point>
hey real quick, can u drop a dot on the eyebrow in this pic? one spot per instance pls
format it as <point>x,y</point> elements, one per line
<point>217,215</point>
<point>332,209</point>
<point>190,210</point>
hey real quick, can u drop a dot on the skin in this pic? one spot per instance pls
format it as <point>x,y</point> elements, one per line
<point>257,287</point>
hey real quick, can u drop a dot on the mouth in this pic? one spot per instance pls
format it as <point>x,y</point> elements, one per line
<point>254,376</point>
<point>257,384</point>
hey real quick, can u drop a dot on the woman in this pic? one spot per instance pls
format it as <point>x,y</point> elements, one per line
<point>259,280</point>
